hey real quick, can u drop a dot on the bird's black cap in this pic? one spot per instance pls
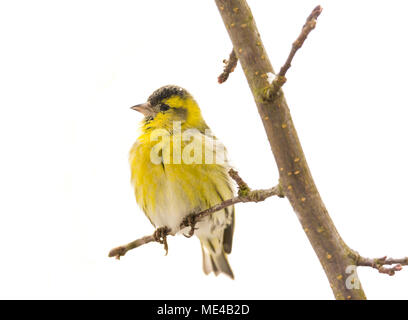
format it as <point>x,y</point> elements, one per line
<point>166,92</point>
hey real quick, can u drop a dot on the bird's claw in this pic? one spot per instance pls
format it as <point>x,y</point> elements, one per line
<point>190,221</point>
<point>160,236</point>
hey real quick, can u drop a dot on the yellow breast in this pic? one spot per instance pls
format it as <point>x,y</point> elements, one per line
<point>169,191</point>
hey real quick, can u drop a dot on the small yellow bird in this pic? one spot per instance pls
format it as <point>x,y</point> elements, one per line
<point>178,168</point>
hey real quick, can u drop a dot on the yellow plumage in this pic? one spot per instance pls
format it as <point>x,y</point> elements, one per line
<point>177,168</point>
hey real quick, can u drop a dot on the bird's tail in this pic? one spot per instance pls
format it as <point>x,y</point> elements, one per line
<point>214,257</point>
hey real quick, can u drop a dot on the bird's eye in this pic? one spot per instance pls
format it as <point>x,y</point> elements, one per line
<point>164,107</point>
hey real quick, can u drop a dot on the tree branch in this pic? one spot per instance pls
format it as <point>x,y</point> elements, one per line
<point>280,79</point>
<point>245,194</point>
<point>309,25</point>
<point>295,176</point>
<point>229,67</point>
<point>380,263</point>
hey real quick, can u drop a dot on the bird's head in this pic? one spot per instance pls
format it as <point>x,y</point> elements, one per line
<point>169,104</point>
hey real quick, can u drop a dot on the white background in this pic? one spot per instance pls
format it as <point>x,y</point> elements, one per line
<point>70,70</point>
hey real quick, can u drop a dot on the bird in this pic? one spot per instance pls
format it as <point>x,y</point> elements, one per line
<point>178,168</point>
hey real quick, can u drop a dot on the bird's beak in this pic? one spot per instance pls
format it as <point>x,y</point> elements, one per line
<point>145,108</point>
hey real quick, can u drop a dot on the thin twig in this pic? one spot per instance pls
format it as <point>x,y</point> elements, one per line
<point>240,182</point>
<point>121,250</point>
<point>190,221</point>
<point>381,263</point>
<point>229,67</point>
<point>309,25</point>
<point>280,78</point>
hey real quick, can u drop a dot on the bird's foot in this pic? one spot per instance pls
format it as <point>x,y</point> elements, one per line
<point>160,236</point>
<point>190,221</point>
